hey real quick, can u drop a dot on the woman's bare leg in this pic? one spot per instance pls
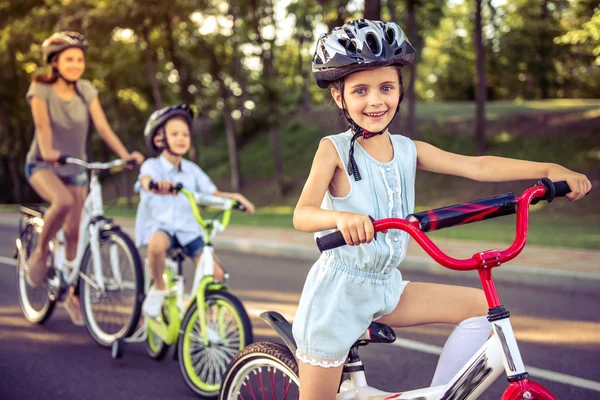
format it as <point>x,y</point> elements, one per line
<point>71,229</point>
<point>50,188</point>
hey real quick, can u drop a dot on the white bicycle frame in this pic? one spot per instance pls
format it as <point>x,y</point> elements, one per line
<point>499,353</point>
<point>89,234</point>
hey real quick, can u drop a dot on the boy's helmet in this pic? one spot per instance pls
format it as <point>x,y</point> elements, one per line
<point>61,41</point>
<point>159,118</point>
<point>359,45</point>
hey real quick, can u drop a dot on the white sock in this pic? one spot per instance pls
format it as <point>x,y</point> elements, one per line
<point>463,342</point>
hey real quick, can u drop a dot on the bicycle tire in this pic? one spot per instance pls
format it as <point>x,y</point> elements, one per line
<point>98,333</point>
<point>205,379</point>
<point>248,367</point>
<point>37,315</point>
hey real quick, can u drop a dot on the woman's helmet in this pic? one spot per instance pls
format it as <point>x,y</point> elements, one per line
<point>359,45</point>
<point>159,118</point>
<point>61,41</point>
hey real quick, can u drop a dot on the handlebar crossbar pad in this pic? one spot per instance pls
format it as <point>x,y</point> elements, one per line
<point>465,213</point>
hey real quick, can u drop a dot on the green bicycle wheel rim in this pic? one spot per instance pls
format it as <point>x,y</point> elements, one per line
<point>187,359</point>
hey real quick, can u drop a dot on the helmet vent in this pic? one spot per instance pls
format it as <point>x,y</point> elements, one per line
<point>373,43</point>
<point>362,23</point>
<point>348,44</point>
<point>390,36</point>
<point>399,51</point>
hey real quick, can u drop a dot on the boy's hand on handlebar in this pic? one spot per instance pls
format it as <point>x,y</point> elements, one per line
<point>246,203</point>
<point>579,184</point>
<point>164,187</point>
<point>356,228</point>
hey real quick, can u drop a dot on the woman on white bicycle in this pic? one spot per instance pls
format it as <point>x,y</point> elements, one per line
<point>368,172</point>
<point>61,104</point>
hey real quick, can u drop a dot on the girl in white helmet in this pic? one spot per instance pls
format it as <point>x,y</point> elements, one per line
<point>61,104</point>
<point>365,172</point>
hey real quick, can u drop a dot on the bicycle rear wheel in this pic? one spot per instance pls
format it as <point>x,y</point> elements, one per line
<point>229,330</point>
<point>113,313</point>
<point>262,370</point>
<point>35,302</point>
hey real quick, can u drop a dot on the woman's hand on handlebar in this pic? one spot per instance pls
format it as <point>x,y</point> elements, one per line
<point>51,156</point>
<point>579,184</point>
<point>356,228</point>
<point>135,158</point>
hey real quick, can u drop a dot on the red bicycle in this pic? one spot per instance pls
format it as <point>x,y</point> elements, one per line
<point>270,370</point>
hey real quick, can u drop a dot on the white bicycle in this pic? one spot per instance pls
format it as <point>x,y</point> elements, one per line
<point>267,370</point>
<point>106,272</point>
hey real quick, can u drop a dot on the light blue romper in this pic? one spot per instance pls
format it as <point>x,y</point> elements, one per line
<point>350,286</point>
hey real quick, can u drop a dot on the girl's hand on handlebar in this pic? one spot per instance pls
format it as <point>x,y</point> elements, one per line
<point>356,228</point>
<point>579,184</point>
<point>164,187</point>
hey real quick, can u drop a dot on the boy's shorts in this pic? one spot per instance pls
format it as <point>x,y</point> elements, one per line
<point>192,249</point>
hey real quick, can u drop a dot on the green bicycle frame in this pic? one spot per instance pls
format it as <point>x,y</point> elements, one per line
<point>169,331</point>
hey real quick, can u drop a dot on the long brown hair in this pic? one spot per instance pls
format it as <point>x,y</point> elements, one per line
<point>48,77</point>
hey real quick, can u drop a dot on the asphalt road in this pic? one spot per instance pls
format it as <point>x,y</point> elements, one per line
<point>558,333</point>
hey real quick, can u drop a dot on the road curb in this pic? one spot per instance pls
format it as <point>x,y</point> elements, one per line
<point>514,273</point>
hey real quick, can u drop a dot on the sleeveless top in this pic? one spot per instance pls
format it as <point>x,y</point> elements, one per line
<point>69,122</point>
<point>386,191</point>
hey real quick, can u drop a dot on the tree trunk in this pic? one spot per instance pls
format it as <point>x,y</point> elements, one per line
<point>373,10</point>
<point>413,32</point>
<point>11,160</point>
<point>234,161</point>
<point>304,93</point>
<point>481,83</point>
<point>151,69</point>
<point>545,49</point>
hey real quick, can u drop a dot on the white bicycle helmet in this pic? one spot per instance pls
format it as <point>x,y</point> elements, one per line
<point>61,41</point>
<point>159,118</point>
<point>359,45</point>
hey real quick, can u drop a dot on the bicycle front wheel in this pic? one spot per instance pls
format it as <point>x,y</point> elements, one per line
<point>262,370</point>
<point>228,329</point>
<point>114,312</point>
<point>35,302</point>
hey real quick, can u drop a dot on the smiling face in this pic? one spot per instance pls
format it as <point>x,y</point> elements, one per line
<point>371,97</point>
<point>70,63</point>
<point>177,133</point>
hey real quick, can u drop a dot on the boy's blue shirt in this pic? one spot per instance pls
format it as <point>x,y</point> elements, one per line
<point>166,212</point>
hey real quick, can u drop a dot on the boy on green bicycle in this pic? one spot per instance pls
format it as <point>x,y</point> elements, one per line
<point>164,220</point>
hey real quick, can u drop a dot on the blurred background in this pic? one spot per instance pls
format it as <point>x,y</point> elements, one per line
<point>517,78</point>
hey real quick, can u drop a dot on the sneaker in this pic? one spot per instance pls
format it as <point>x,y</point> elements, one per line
<point>153,303</point>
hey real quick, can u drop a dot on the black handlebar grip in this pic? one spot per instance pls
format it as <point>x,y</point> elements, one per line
<point>561,188</point>
<point>174,189</point>
<point>131,163</point>
<point>63,159</point>
<point>331,241</point>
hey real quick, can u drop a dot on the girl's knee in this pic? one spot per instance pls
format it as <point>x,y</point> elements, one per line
<point>64,203</point>
<point>158,243</point>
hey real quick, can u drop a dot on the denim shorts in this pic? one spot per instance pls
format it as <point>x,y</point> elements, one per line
<point>337,305</point>
<point>79,179</point>
<point>192,249</point>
